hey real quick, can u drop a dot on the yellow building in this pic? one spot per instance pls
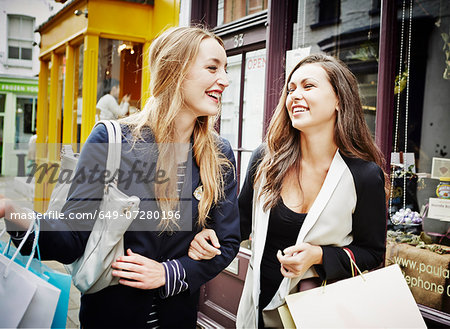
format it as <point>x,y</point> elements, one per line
<point>84,48</point>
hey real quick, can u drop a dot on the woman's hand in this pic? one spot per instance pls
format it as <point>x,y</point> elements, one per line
<point>18,218</point>
<point>298,259</point>
<point>139,272</point>
<point>205,245</point>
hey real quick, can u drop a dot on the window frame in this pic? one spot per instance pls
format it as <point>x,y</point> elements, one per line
<point>19,62</point>
<point>326,22</point>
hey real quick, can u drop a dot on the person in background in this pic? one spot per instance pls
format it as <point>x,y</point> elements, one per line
<point>159,284</point>
<point>314,187</point>
<point>108,107</point>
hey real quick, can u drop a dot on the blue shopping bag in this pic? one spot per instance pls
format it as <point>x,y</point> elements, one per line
<point>62,281</point>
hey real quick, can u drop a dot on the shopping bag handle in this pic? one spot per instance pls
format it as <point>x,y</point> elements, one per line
<point>353,263</point>
<point>37,229</point>
<point>33,225</point>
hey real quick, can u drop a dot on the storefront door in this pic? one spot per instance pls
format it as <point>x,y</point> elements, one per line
<point>241,120</point>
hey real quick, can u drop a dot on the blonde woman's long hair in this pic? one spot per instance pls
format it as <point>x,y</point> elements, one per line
<point>351,133</point>
<point>171,54</point>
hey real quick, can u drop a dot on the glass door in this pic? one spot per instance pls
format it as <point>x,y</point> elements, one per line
<point>241,120</point>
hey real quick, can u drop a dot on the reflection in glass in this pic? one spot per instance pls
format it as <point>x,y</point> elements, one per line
<point>253,110</point>
<point>120,62</point>
<point>229,119</point>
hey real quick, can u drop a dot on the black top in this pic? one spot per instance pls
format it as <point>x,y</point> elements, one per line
<point>284,226</point>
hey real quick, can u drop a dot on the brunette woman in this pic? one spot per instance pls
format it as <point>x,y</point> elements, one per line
<point>315,186</point>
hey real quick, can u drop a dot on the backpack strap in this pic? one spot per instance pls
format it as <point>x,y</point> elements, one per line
<point>114,148</point>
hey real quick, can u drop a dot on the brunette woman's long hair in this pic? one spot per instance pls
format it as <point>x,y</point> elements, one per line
<point>170,57</point>
<point>351,133</point>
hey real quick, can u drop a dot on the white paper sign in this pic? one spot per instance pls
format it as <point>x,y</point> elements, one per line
<point>439,209</point>
<point>440,168</point>
<point>294,56</point>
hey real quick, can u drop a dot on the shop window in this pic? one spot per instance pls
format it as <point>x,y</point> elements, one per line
<point>357,46</point>
<point>2,103</point>
<point>120,62</point>
<point>231,10</point>
<point>329,12</point>
<point>242,106</point>
<point>20,39</point>
<point>25,121</point>
<point>419,204</point>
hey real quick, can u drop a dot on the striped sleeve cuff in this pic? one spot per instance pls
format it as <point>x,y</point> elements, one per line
<point>175,279</point>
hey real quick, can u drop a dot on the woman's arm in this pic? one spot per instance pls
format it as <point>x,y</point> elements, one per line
<point>64,238</point>
<point>369,225</point>
<point>205,244</point>
<point>225,217</point>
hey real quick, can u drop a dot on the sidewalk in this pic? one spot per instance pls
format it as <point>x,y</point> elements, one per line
<point>18,191</point>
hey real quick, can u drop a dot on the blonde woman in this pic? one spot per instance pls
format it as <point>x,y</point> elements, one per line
<point>315,186</point>
<point>159,284</point>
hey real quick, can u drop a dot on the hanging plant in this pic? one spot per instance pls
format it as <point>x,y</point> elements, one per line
<point>399,86</point>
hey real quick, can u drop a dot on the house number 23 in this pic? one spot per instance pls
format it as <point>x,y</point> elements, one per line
<point>238,40</point>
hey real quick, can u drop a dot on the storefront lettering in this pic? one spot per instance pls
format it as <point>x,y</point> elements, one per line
<point>18,88</point>
<point>418,281</point>
<point>256,63</point>
<point>437,271</point>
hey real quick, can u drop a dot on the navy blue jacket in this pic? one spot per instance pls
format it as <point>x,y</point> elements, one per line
<point>122,306</point>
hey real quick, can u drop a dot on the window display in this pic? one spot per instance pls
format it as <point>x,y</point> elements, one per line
<point>119,72</point>
<point>419,223</point>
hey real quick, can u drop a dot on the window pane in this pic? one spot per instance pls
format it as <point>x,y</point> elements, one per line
<point>255,5</point>
<point>2,107</point>
<point>253,111</point>
<point>329,10</point>
<point>354,41</point>
<point>23,122</point>
<point>231,10</point>
<point>120,64</point>
<point>368,92</point>
<point>13,27</point>
<point>229,119</point>
<point>27,28</point>
<point>26,53</point>
<point>421,132</point>
<point>13,52</point>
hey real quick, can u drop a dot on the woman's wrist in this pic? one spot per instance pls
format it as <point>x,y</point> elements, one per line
<point>318,255</point>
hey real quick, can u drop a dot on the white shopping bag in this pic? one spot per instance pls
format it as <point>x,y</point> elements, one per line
<point>16,293</point>
<point>18,283</point>
<point>378,299</point>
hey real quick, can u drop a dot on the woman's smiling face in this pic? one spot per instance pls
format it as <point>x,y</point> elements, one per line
<point>311,101</point>
<point>206,80</point>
